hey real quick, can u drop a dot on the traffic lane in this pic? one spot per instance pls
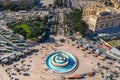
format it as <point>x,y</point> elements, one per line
<point>95,46</point>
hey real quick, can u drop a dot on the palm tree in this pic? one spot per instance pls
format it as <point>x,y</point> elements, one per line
<point>0,61</point>
<point>3,65</point>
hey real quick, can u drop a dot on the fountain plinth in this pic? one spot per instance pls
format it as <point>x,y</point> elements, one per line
<point>61,62</point>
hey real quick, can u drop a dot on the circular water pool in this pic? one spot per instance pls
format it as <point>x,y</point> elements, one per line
<point>61,62</point>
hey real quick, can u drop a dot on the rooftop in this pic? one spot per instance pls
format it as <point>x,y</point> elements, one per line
<point>100,9</point>
<point>108,11</point>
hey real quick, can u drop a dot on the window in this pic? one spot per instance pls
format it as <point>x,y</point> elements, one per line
<point>118,15</point>
<point>112,23</point>
<point>114,16</point>
<point>97,26</point>
<point>109,17</point>
<point>106,24</point>
<point>98,19</point>
<point>101,25</point>
<point>103,18</point>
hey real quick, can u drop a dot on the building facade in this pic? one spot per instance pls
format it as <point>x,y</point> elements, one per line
<point>102,19</point>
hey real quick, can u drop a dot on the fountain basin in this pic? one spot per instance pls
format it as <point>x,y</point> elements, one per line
<point>61,62</point>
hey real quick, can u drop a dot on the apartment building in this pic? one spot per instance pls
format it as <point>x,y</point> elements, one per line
<point>102,19</point>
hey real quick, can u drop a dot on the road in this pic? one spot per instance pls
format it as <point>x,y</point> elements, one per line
<point>60,22</point>
<point>94,44</point>
<point>75,4</point>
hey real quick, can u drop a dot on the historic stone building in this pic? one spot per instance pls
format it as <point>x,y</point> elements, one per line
<point>102,19</point>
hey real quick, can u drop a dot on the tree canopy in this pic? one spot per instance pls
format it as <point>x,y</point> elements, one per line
<point>76,22</point>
